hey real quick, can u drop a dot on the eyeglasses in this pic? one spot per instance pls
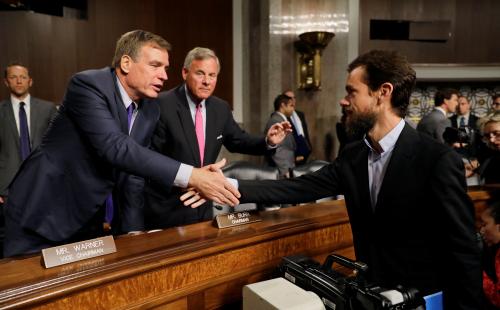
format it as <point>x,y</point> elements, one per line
<point>494,134</point>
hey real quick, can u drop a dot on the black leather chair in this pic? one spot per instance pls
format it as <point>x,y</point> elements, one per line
<point>247,171</point>
<point>308,167</point>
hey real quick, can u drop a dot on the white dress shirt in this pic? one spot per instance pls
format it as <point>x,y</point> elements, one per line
<point>27,104</point>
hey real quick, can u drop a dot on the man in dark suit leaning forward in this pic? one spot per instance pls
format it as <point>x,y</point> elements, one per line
<point>58,195</point>
<point>193,127</point>
<point>412,220</point>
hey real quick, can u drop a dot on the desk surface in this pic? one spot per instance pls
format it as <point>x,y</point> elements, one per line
<point>189,267</point>
<point>24,281</point>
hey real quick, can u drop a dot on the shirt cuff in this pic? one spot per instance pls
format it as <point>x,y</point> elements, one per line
<point>269,146</point>
<point>233,182</point>
<point>183,175</point>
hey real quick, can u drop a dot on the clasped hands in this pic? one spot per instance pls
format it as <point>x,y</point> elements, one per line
<point>208,182</point>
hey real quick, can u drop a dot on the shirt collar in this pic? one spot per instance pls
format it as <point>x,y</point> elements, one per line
<point>282,115</point>
<point>442,111</point>
<point>16,101</point>
<point>127,101</point>
<point>388,142</point>
<point>190,100</point>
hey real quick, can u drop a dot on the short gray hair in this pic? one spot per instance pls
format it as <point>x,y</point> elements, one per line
<point>200,53</point>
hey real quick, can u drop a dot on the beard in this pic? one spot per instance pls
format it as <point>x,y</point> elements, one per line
<point>358,124</point>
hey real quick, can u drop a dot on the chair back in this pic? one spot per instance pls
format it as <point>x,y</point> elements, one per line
<point>308,167</point>
<point>248,171</point>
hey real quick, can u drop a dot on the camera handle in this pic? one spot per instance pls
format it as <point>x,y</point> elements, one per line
<point>359,267</point>
<point>344,261</point>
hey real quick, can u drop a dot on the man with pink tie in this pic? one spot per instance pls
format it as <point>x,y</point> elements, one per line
<point>193,127</point>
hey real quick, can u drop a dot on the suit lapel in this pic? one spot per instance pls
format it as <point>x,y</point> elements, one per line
<point>34,120</point>
<point>359,165</point>
<point>187,124</point>
<point>142,124</point>
<point>136,132</point>
<point>120,110</point>
<point>9,113</point>
<point>399,164</point>
<point>472,121</point>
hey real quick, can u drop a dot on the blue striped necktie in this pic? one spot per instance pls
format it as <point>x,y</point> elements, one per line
<point>462,121</point>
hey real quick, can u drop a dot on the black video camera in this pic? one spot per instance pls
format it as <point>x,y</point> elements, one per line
<point>458,135</point>
<point>346,292</point>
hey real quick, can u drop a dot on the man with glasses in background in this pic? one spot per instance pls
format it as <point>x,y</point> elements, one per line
<point>489,171</point>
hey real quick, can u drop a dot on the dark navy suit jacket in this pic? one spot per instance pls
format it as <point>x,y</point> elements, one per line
<point>64,182</point>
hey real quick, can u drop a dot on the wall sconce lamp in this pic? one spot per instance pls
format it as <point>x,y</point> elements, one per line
<point>309,48</point>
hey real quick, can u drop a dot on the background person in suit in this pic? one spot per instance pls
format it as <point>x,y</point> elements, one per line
<point>179,133</point>
<point>300,132</point>
<point>435,123</point>
<point>411,218</point>
<point>58,195</point>
<point>38,115</point>
<point>464,136</point>
<point>495,103</point>
<point>284,157</point>
<point>463,116</point>
<point>465,120</point>
<point>35,115</point>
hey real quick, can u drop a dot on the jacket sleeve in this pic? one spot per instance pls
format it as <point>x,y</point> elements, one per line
<point>237,140</point>
<point>90,109</point>
<point>306,188</point>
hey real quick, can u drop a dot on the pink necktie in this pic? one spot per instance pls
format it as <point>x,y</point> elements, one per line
<point>200,135</point>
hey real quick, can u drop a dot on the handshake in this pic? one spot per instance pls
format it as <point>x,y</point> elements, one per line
<point>208,183</point>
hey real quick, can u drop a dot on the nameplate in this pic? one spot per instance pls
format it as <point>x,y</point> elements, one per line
<point>237,218</point>
<point>73,252</point>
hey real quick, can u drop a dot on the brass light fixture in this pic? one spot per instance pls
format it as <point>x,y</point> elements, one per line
<point>309,48</point>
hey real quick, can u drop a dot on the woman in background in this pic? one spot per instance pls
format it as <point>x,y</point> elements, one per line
<point>490,231</point>
<point>490,130</point>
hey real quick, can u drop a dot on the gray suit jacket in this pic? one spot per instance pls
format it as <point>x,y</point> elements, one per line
<point>434,124</point>
<point>284,157</point>
<point>41,112</point>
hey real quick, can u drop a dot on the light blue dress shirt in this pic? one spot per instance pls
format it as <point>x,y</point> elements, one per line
<point>184,172</point>
<point>377,162</point>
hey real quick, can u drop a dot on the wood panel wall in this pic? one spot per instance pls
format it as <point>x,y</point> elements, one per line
<point>475,29</point>
<point>55,48</point>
